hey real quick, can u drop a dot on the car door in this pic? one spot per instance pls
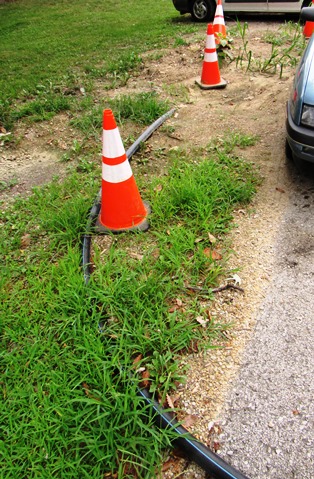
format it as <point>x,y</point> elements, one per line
<point>288,6</point>
<point>237,6</point>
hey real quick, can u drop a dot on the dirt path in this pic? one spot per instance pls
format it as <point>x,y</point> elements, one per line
<point>253,104</point>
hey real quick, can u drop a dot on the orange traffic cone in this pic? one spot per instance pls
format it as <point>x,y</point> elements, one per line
<point>219,23</point>
<point>210,73</point>
<point>121,208</point>
<point>308,28</point>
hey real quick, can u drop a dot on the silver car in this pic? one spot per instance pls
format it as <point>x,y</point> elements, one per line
<point>204,10</point>
<point>300,106</point>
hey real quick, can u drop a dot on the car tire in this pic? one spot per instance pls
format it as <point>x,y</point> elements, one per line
<point>301,166</point>
<point>203,10</point>
<point>288,151</point>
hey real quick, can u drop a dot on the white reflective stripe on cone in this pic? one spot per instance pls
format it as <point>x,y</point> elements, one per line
<point>219,10</point>
<point>210,57</point>
<point>219,21</point>
<point>210,42</point>
<point>112,145</point>
<point>116,173</point>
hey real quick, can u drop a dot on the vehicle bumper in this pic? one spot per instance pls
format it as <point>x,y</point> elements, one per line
<point>181,5</point>
<point>300,139</point>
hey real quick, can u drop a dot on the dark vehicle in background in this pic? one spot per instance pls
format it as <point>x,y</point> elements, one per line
<point>300,106</point>
<point>204,10</point>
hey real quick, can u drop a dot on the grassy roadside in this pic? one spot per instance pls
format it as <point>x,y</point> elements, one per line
<point>68,406</point>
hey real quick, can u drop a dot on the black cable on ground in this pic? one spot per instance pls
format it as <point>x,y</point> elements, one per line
<point>195,450</point>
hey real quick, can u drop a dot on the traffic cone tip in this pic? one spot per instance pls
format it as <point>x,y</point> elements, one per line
<point>109,122</point>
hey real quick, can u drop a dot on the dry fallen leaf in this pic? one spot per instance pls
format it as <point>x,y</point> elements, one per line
<point>156,253</point>
<point>167,465</point>
<point>136,255</point>
<point>201,320</point>
<point>173,309</point>
<point>216,255</point>
<point>145,377</point>
<point>158,188</point>
<point>213,254</point>
<point>211,238</point>
<point>216,446</point>
<point>189,420</point>
<point>169,401</point>
<point>137,359</point>
<point>25,240</point>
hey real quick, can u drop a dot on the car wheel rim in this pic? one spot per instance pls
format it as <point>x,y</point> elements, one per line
<point>200,10</point>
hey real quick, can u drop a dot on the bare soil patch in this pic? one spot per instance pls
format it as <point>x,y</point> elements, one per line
<point>252,103</point>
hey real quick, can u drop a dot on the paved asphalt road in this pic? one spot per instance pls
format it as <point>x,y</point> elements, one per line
<point>268,426</point>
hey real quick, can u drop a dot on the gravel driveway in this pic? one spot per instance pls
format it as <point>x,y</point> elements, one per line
<point>268,423</point>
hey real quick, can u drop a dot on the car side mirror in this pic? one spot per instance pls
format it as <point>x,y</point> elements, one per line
<point>307,14</point>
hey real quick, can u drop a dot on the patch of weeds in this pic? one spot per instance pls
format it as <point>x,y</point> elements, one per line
<point>292,42</point>
<point>85,165</point>
<point>244,55</point>
<point>6,121</point>
<point>180,42</point>
<point>142,108</point>
<point>168,129</point>
<point>90,123</point>
<point>195,190</point>
<point>154,56</point>
<point>179,91</point>
<point>164,372</point>
<point>7,138</point>
<point>43,108</point>
<point>75,150</point>
<point>228,142</point>
<point>6,185</point>
<point>286,49</point>
<point>224,47</point>
<point>118,70</point>
<point>127,62</point>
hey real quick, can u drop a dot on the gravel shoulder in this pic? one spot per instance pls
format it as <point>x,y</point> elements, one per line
<point>268,417</point>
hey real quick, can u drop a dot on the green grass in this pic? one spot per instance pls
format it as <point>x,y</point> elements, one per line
<point>69,407</point>
<point>141,108</point>
<point>64,45</point>
<point>68,390</point>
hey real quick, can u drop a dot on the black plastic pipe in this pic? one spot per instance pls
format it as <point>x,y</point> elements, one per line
<point>148,132</point>
<point>195,450</point>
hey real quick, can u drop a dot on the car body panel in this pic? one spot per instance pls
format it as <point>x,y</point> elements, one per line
<point>309,88</point>
<point>256,6</point>
<point>300,137</point>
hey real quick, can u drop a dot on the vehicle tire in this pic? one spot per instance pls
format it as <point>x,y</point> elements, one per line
<point>288,151</point>
<point>301,166</point>
<point>203,10</point>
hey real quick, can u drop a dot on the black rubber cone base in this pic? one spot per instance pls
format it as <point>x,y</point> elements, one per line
<point>221,84</point>
<point>142,226</point>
